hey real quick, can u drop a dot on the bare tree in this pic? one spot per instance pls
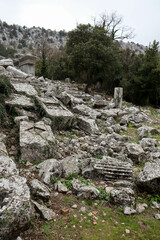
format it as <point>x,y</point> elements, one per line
<point>113,24</point>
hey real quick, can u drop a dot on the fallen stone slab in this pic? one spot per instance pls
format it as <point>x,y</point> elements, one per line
<point>87,125</point>
<point>149,178</point>
<point>113,169</point>
<point>16,72</point>
<point>17,100</point>
<point>37,141</point>
<point>46,213</point>
<point>6,62</point>
<point>25,88</point>
<point>61,117</point>
<point>47,169</point>
<point>15,207</point>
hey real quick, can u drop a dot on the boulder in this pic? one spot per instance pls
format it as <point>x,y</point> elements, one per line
<point>15,207</point>
<point>87,125</point>
<point>123,197</point>
<point>149,178</point>
<point>146,132</point>
<point>70,165</point>
<point>83,191</point>
<point>46,213</point>
<point>39,189</point>
<point>48,168</point>
<point>135,152</point>
<point>148,144</point>
<point>37,141</point>
<point>7,167</point>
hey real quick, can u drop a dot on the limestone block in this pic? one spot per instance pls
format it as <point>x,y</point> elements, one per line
<point>25,88</point>
<point>149,178</point>
<point>18,100</point>
<point>6,62</point>
<point>37,141</point>
<point>61,117</point>
<point>7,166</point>
<point>118,97</point>
<point>16,72</point>
<point>87,125</point>
<point>15,207</point>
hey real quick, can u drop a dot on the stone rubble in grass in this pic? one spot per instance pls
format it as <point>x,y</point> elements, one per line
<point>69,133</point>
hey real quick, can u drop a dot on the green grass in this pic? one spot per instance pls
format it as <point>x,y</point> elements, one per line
<point>104,224</point>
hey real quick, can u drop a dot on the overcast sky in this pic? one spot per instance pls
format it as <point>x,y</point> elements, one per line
<point>141,15</point>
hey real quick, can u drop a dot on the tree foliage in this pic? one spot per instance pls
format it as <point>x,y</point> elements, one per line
<point>141,79</point>
<point>93,56</point>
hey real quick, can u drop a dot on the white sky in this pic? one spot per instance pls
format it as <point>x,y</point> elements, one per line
<point>141,15</point>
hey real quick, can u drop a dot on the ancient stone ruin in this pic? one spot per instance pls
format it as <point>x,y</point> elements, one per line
<point>59,132</point>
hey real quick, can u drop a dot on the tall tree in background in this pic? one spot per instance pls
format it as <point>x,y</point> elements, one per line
<point>93,56</point>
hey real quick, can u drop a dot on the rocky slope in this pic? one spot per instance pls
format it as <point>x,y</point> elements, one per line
<point>23,38</point>
<point>27,39</point>
<point>66,141</point>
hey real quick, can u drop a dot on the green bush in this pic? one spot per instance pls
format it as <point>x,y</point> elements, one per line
<point>5,86</point>
<point>5,90</point>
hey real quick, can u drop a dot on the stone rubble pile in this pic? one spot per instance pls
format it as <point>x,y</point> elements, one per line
<point>69,132</point>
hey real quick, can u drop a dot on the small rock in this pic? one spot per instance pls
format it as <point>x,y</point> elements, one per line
<point>141,207</point>
<point>109,189</point>
<point>83,209</point>
<point>60,187</point>
<point>157,216</point>
<point>74,206</point>
<point>155,205</point>
<point>129,211</point>
<point>56,194</point>
<point>127,231</point>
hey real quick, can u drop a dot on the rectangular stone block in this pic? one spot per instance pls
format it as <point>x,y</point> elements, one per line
<point>37,141</point>
<point>61,117</point>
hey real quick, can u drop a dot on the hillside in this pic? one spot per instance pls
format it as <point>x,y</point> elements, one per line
<point>23,38</point>
<point>26,39</point>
